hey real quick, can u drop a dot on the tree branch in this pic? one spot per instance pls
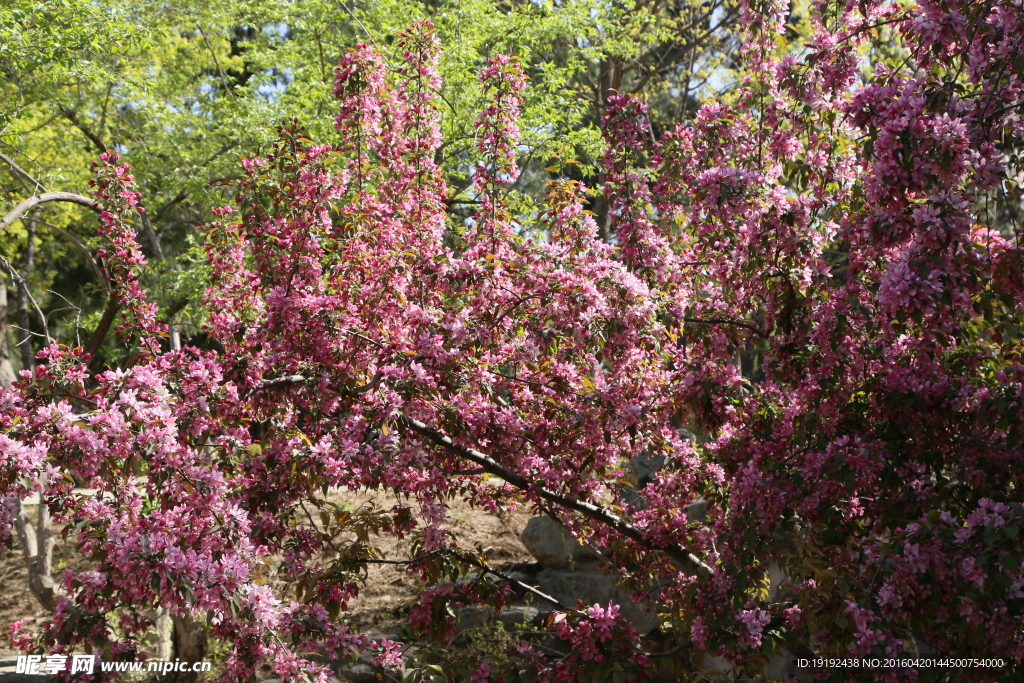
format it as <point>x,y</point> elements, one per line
<point>690,562</point>
<point>35,200</point>
<point>723,321</point>
<point>23,291</point>
<point>93,138</point>
<point>515,582</point>
<point>178,198</point>
<point>84,249</point>
<point>96,340</point>
<point>22,172</point>
<point>282,381</point>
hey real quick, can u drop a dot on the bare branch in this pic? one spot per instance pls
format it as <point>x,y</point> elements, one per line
<point>23,290</point>
<point>690,562</point>
<point>93,138</point>
<point>216,62</point>
<point>96,270</point>
<point>515,582</point>
<point>22,172</point>
<point>282,381</point>
<point>35,200</point>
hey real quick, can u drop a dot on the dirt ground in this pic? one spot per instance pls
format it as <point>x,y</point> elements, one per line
<point>382,604</point>
<point>390,589</point>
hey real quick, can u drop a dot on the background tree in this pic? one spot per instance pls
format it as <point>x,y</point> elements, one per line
<point>182,91</point>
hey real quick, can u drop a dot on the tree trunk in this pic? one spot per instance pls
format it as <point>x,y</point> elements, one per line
<point>28,356</point>
<point>164,634</point>
<point>7,375</point>
<point>189,646</point>
<point>37,546</point>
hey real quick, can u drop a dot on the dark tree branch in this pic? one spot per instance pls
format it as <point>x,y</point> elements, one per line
<point>178,198</point>
<point>81,247</point>
<point>93,138</point>
<point>688,561</point>
<point>96,340</point>
<point>723,321</point>
<point>515,582</point>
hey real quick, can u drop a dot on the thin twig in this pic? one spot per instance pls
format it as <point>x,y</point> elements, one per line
<point>16,276</point>
<point>82,247</point>
<point>22,172</point>
<point>515,582</point>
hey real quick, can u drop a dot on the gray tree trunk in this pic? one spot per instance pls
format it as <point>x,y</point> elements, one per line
<point>189,646</point>
<point>7,375</point>
<point>37,546</point>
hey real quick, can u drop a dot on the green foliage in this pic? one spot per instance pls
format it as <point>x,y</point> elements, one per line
<point>182,91</point>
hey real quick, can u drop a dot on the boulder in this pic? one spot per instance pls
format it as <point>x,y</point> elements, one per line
<point>697,511</point>
<point>514,616</point>
<point>640,471</point>
<point>553,546</point>
<point>363,669</point>
<point>593,586</point>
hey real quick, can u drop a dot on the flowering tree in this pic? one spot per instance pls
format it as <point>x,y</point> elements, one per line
<point>818,278</point>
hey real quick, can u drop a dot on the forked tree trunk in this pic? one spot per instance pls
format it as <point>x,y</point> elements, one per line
<point>189,646</point>
<point>37,545</point>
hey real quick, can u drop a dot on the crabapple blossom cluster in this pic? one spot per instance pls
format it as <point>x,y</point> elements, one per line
<point>819,276</point>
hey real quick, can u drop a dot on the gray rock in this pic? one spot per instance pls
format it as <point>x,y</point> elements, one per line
<point>360,672</point>
<point>9,674</point>
<point>477,616</point>
<point>593,586</point>
<point>551,544</point>
<point>697,511</point>
<point>781,667</point>
<point>638,473</point>
<point>363,669</point>
<point>517,615</point>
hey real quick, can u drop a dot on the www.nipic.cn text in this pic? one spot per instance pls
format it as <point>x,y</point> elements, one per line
<point>86,664</point>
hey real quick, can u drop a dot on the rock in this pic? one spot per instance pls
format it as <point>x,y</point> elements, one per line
<point>517,615</point>
<point>363,669</point>
<point>8,672</point>
<point>781,667</point>
<point>697,511</point>
<point>569,573</point>
<point>360,672</point>
<point>475,616</point>
<point>593,586</point>
<point>552,545</point>
<point>639,472</point>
